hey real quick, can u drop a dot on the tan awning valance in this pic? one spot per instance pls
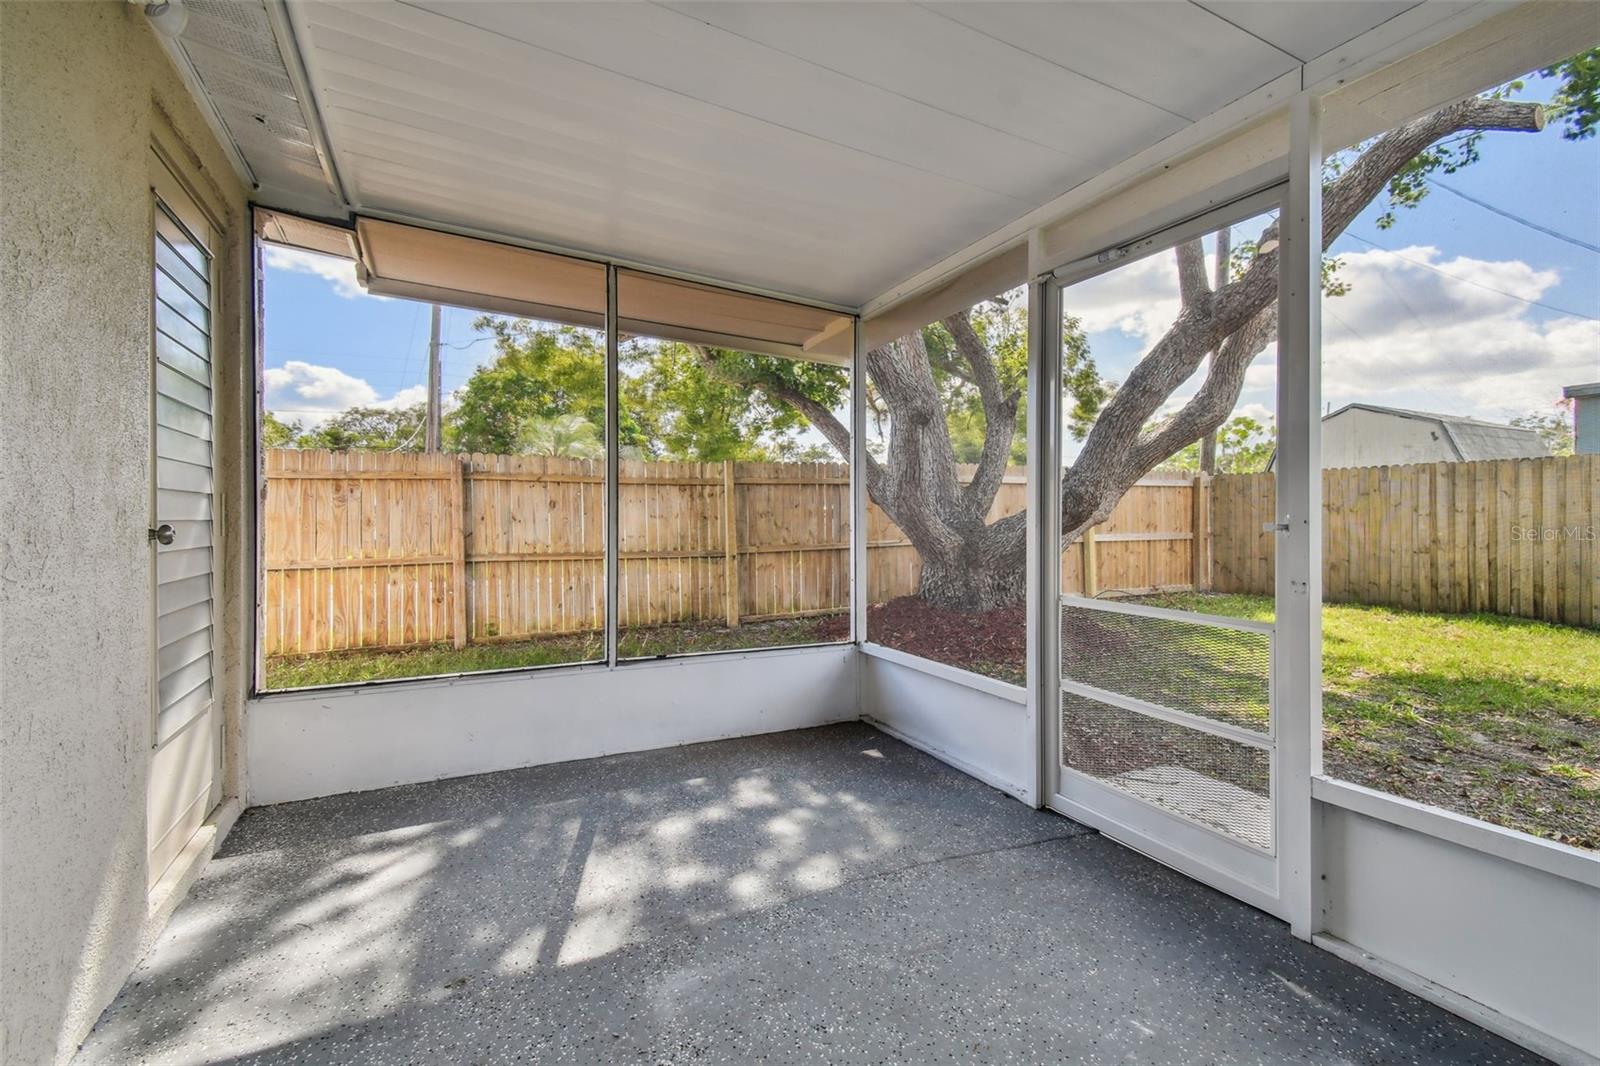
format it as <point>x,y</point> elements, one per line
<point>415,263</point>
<point>651,305</point>
<point>422,264</point>
<point>313,235</point>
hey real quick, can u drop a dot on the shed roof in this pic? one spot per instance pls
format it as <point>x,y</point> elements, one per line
<point>1473,439</point>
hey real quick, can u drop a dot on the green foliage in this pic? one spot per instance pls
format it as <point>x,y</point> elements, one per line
<point>1554,428</point>
<point>1244,446</point>
<point>370,429</point>
<point>538,372</point>
<point>276,433</point>
<point>570,436</point>
<point>676,401</point>
<point>1576,104</point>
<point>700,405</point>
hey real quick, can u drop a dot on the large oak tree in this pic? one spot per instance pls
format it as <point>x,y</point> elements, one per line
<point>971,563</point>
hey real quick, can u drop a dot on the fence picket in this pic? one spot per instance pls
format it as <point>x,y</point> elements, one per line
<point>1513,536</point>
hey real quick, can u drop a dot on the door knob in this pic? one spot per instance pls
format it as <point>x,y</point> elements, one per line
<point>164,533</point>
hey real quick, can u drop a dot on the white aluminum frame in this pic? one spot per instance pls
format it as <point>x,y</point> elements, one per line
<point>1241,869</point>
<point>858,484</point>
<point>609,660</point>
<point>1298,593</point>
<point>1044,534</point>
<point>613,489</point>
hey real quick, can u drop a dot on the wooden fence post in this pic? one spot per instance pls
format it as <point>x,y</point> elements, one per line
<point>458,553</point>
<point>1091,565</point>
<point>1200,524</point>
<point>730,544</point>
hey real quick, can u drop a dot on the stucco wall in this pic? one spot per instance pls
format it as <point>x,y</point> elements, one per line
<point>82,89</point>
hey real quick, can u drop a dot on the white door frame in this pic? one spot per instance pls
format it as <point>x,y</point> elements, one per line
<point>1275,882</point>
<point>174,756</point>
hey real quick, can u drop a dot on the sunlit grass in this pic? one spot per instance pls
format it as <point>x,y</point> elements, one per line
<point>437,660</point>
<point>1490,716</point>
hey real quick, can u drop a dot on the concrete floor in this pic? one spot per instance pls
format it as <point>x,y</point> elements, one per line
<point>821,896</point>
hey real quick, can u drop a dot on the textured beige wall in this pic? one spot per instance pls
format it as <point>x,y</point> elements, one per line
<point>83,87</point>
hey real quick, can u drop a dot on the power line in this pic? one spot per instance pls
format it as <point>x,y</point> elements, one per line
<point>1469,281</point>
<point>1503,213</point>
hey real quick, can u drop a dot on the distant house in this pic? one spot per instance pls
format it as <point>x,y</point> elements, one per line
<point>1585,417</point>
<point>1365,434</point>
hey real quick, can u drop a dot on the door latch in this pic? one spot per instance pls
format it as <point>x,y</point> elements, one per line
<point>1274,527</point>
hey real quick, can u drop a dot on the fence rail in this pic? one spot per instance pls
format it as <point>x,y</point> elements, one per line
<point>392,550</point>
<point>384,550</point>
<point>1509,536</point>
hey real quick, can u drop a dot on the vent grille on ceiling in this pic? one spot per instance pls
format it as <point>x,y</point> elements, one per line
<point>234,53</point>
<point>240,29</point>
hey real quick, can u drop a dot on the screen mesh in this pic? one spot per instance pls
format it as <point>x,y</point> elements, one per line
<point>1206,670</point>
<point>1217,782</point>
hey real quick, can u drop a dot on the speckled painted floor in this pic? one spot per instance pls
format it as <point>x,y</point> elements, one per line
<point>821,896</point>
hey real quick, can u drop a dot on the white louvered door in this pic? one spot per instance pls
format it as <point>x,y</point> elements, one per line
<point>186,758</point>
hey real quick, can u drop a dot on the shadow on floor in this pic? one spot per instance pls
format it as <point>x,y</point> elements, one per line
<point>828,895</point>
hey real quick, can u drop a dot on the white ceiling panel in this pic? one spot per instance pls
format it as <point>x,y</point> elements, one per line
<point>925,55</point>
<point>659,50</point>
<point>1171,53</point>
<point>825,150</point>
<point>1307,28</point>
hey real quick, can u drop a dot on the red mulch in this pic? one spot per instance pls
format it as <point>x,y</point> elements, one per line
<point>972,640</point>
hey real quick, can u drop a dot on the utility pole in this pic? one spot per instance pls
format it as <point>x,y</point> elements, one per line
<point>1208,443</point>
<point>433,442</point>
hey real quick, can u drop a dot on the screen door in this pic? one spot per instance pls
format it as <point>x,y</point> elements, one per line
<point>1164,730</point>
<point>184,779</point>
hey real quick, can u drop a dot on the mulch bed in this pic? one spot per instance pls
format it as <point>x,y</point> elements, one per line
<point>987,642</point>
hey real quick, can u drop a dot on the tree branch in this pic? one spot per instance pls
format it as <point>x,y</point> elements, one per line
<point>923,495</point>
<point>1107,465</point>
<point>1216,397</point>
<point>999,416</point>
<point>1192,284</point>
<point>835,432</point>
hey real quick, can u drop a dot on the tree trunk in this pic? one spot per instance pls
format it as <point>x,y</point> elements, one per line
<point>972,583</point>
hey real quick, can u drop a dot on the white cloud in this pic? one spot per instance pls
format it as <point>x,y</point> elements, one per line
<point>1140,299</point>
<point>1405,334</point>
<point>311,395</point>
<point>407,397</point>
<point>339,273</point>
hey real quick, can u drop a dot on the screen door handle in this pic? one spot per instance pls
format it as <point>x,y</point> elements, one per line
<point>164,533</point>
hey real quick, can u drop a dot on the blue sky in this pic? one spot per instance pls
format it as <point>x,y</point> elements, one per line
<point>1420,327</point>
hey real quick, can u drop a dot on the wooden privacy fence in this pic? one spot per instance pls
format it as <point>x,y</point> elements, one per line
<point>384,550</point>
<point>1510,536</point>
<point>390,550</point>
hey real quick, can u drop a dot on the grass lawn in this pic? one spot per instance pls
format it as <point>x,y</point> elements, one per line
<point>1494,717</point>
<point>345,668</point>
